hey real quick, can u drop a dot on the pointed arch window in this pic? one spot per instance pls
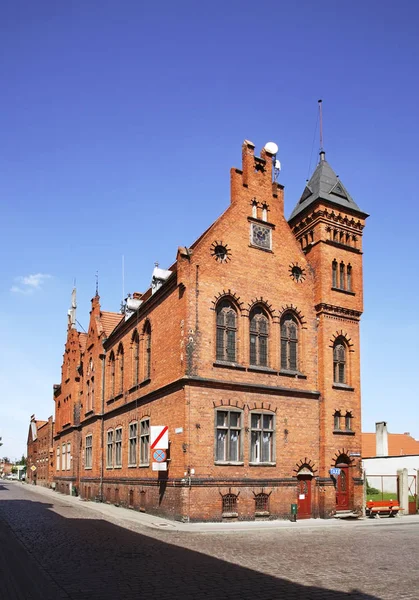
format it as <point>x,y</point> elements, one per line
<point>336,420</point>
<point>147,350</point>
<point>135,358</point>
<point>349,278</point>
<point>226,331</point>
<point>264,213</point>
<point>342,276</point>
<point>259,337</point>
<point>112,374</point>
<point>339,361</point>
<point>289,343</point>
<point>254,209</point>
<point>348,421</point>
<point>334,274</point>
<point>121,368</point>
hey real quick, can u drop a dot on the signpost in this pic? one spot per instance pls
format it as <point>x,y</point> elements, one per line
<point>159,443</point>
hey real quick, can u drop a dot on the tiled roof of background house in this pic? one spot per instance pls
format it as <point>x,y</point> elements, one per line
<point>399,444</point>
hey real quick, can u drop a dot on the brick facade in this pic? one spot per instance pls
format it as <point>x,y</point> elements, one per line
<point>247,348</point>
<point>40,451</point>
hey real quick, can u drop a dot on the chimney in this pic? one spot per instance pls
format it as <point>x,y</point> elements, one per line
<point>381,439</point>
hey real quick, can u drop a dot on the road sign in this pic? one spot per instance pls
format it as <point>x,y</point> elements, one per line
<point>33,468</point>
<point>159,437</point>
<point>335,471</point>
<point>159,455</point>
<point>159,466</point>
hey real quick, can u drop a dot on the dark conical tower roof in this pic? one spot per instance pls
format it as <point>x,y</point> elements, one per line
<point>325,185</point>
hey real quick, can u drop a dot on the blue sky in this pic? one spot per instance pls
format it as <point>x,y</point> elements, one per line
<point>119,123</point>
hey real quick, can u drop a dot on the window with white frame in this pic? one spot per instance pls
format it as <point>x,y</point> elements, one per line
<point>64,457</point>
<point>88,452</point>
<point>145,442</point>
<point>58,459</point>
<point>262,438</point>
<point>68,456</point>
<point>118,447</point>
<point>228,432</point>
<point>109,449</point>
<point>132,445</point>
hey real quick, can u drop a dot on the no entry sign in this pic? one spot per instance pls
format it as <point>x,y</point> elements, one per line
<point>159,437</point>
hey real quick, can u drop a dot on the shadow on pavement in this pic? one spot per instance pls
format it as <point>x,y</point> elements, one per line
<point>91,558</point>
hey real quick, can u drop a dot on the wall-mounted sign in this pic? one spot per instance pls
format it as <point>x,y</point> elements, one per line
<point>159,466</point>
<point>159,437</point>
<point>335,471</point>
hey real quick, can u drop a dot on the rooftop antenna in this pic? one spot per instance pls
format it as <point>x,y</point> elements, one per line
<point>97,283</point>
<point>272,148</point>
<point>322,153</point>
<point>123,278</point>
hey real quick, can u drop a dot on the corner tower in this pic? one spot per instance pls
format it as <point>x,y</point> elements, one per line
<point>329,226</point>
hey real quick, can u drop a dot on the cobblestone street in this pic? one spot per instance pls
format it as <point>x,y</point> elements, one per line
<point>55,547</point>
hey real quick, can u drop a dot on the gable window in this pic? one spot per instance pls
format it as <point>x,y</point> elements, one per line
<point>334,274</point>
<point>348,421</point>
<point>147,339</point>
<point>136,358</point>
<point>339,361</point>
<point>259,333</point>
<point>145,442</point>
<point>289,343</point>
<point>132,445</point>
<point>336,420</point>
<point>112,375</point>
<point>118,447</point>
<point>109,450</point>
<point>228,431</point>
<point>121,368</point>
<point>88,449</point>
<point>226,332</point>
<point>262,438</point>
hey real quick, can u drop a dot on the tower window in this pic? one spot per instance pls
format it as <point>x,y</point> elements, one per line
<point>226,331</point>
<point>289,343</point>
<point>259,334</point>
<point>339,362</point>
<point>334,274</point>
<point>336,420</point>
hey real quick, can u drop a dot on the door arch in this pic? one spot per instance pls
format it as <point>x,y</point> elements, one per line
<point>304,478</point>
<point>342,483</point>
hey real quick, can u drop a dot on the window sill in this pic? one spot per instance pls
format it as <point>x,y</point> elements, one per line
<point>145,382</point>
<point>343,386</point>
<point>295,374</point>
<point>262,464</point>
<point>262,513</point>
<point>144,465</point>
<point>258,369</point>
<point>88,413</point>
<point>261,222</point>
<point>109,468</point>
<point>228,365</point>
<point>118,396</point>
<point>134,388</point>
<point>343,432</point>
<point>348,292</point>
<point>132,466</point>
<point>229,515</point>
<point>110,401</point>
<point>118,467</point>
<point>229,463</point>
<point>260,248</point>
<point>87,468</point>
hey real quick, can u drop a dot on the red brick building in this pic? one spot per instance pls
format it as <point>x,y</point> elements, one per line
<point>247,348</point>
<point>40,448</point>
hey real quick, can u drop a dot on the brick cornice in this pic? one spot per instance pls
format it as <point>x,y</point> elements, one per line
<point>338,310</point>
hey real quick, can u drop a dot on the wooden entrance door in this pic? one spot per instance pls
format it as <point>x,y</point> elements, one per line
<point>342,488</point>
<point>304,496</point>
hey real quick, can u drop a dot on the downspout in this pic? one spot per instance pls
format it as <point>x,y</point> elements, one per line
<point>102,424</point>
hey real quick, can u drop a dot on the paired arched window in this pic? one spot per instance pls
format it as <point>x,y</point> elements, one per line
<point>112,374</point>
<point>121,368</point>
<point>259,336</point>
<point>339,361</point>
<point>226,331</point>
<point>135,345</point>
<point>289,342</point>
<point>147,350</point>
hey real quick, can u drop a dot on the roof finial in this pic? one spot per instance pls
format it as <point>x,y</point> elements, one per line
<point>322,152</point>
<point>72,311</point>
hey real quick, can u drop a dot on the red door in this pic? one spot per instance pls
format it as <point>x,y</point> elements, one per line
<point>304,496</point>
<point>342,490</point>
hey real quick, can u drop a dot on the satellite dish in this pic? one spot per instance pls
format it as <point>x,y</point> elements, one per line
<point>271,147</point>
<point>277,165</point>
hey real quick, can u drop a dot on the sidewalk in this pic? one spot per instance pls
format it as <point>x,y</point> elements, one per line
<point>154,522</point>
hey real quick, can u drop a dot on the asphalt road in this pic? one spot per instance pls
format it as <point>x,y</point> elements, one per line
<point>53,548</point>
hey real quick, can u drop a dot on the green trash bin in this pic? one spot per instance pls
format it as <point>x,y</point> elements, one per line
<point>294,510</point>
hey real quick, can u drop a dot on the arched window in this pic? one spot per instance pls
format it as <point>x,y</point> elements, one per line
<point>264,213</point>
<point>121,368</point>
<point>147,350</point>
<point>348,421</point>
<point>254,209</point>
<point>135,358</point>
<point>342,276</point>
<point>336,420</point>
<point>339,361</point>
<point>334,274</point>
<point>112,374</point>
<point>259,334</point>
<point>349,278</point>
<point>226,331</point>
<point>289,342</point>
